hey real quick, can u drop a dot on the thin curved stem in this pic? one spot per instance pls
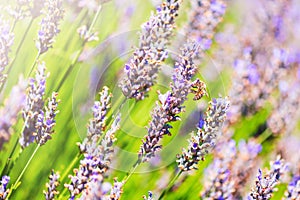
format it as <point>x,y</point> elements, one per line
<point>70,68</point>
<point>34,63</point>
<point>16,184</point>
<point>170,185</point>
<point>71,166</point>
<point>13,150</point>
<point>17,51</point>
<point>20,45</point>
<point>132,170</point>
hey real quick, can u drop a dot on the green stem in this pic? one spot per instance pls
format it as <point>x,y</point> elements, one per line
<point>17,51</point>
<point>7,164</point>
<point>264,136</point>
<point>71,166</point>
<point>20,45</point>
<point>13,26</point>
<point>33,64</point>
<point>170,185</point>
<point>13,151</point>
<point>16,184</point>
<point>132,170</point>
<point>70,68</point>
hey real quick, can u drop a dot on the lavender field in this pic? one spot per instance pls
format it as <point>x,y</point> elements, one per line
<point>150,99</point>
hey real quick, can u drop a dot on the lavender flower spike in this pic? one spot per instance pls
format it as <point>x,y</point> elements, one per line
<point>116,190</point>
<point>141,70</point>
<point>265,185</point>
<point>49,25</point>
<point>46,122</point>
<point>204,18</point>
<point>3,187</point>
<point>6,41</point>
<point>204,140</point>
<point>52,186</point>
<point>34,105</point>
<point>10,110</point>
<point>97,149</point>
<point>98,123</point>
<point>170,103</point>
<point>293,192</point>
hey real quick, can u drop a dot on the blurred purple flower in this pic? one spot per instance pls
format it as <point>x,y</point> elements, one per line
<point>53,14</point>
<point>3,187</point>
<point>10,110</point>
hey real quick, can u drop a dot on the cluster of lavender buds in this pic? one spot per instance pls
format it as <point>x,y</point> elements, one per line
<point>252,84</point>
<point>285,114</point>
<point>244,165</point>
<point>86,35</point>
<point>116,190</point>
<point>219,184</point>
<point>96,188</point>
<point>204,18</point>
<point>38,121</point>
<point>3,187</point>
<point>49,25</point>
<point>293,191</point>
<point>232,167</point>
<point>34,104</point>
<point>171,103</point>
<point>52,186</point>
<point>26,8</point>
<point>265,185</point>
<point>264,58</point>
<point>97,148</point>
<point>287,146</point>
<point>204,140</point>
<point>6,41</point>
<point>9,112</point>
<point>46,121</point>
<point>141,70</point>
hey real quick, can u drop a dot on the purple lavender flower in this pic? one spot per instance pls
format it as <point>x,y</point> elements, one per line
<point>226,177</point>
<point>9,112</point>
<point>46,122</point>
<point>116,190</point>
<point>98,123</point>
<point>141,70</point>
<point>243,165</point>
<point>293,191</point>
<point>204,18</point>
<point>284,117</point>
<point>34,105</point>
<point>52,186</point>
<point>96,189</point>
<point>3,187</point>
<point>218,175</point>
<point>97,148</point>
<point>149,197</point>
<point>170,103</point>
<point>6,41</point>
<point>265,185</point>
<point>49,25</point>
<point>82,176</point>
<point>204,140</point>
